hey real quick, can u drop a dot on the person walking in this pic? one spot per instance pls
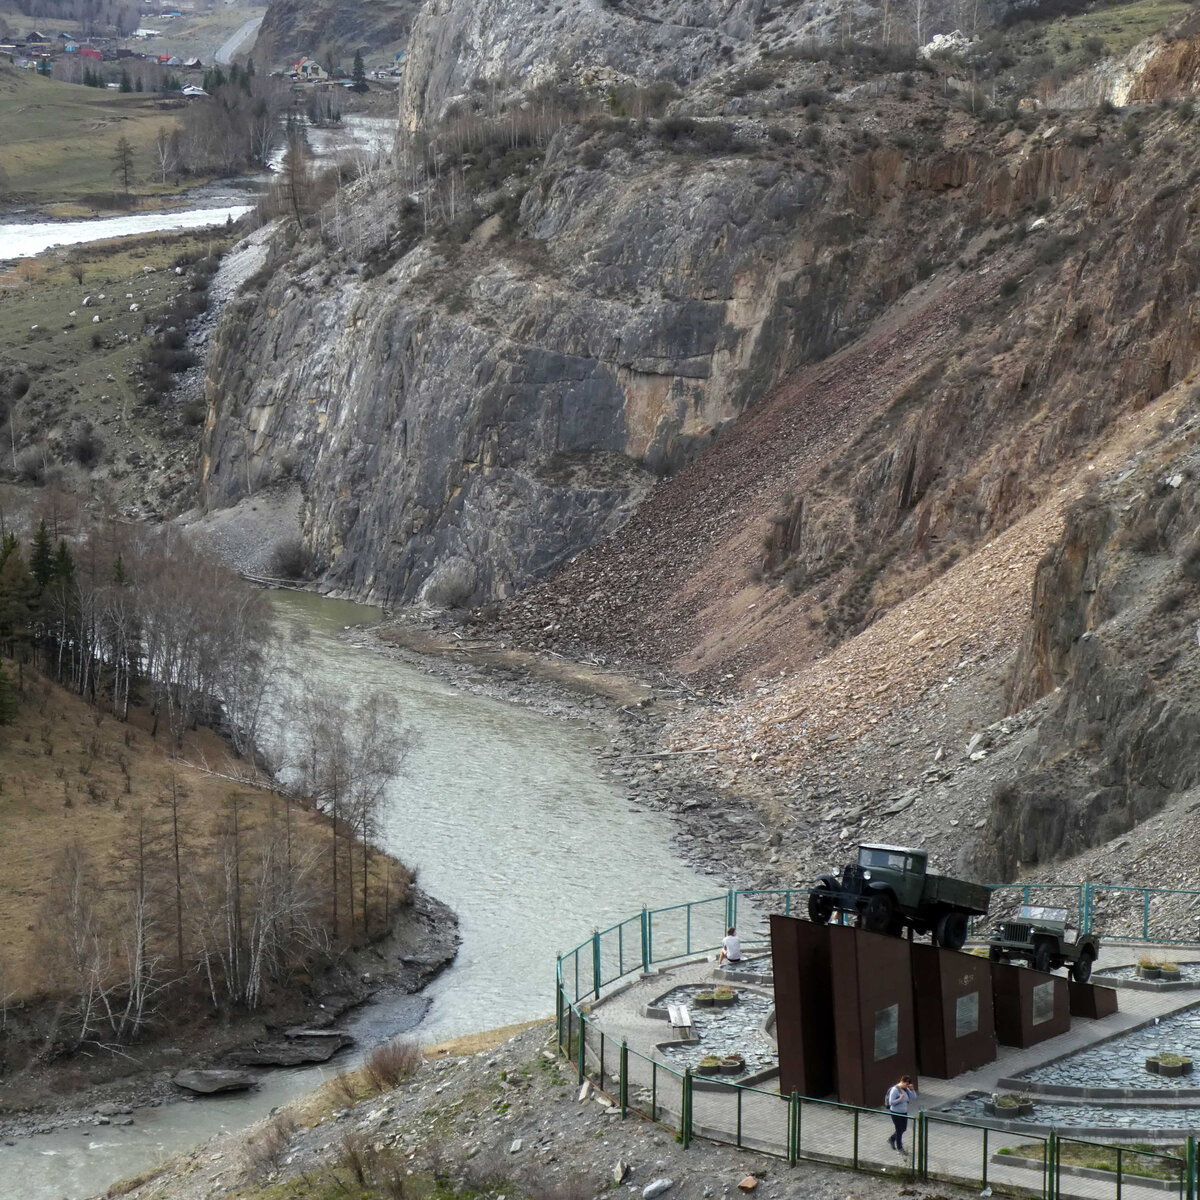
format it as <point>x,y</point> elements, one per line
<point>898,1097</point>
<point>731,948</point>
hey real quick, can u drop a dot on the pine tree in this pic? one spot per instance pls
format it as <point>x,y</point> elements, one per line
<point>41,557</point>
<point>8,698</point>
<point>360,73</point>
<point>126,82</point>
<point>64,564</point>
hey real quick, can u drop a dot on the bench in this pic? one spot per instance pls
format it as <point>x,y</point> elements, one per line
<point>681,1022</point>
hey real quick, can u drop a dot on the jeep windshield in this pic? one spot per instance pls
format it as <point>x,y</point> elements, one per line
<point>877,856</point>
<point>1038,912</point>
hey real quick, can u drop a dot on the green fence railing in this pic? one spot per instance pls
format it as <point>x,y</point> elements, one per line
<point>799,1128</point>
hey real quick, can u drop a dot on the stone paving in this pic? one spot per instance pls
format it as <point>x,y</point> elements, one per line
<point>758,1115</point>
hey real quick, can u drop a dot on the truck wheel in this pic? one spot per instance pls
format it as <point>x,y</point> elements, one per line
<point>820,908</point>
<point>1042,955</point>
<point>1081,971</point>
<point>880,914</point>
<point>952,930</point>
<point>995,954</point>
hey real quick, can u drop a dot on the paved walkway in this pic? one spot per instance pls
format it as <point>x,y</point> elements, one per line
<point>758,1116</point>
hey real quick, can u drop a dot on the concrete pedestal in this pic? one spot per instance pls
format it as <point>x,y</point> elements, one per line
<point>803,1006</point>
<point>1030,1006</point>
<point>952,995</point>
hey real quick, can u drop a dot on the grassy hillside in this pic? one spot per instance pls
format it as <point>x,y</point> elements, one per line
<point>58,140</point>
<point>72,775</point>
<point>80,372</point>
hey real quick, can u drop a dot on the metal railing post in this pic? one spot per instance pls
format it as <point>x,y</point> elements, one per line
<point>793,1128</point>
<point>1146,916</point>
<point>596,963</point>
<point>624,1079</point>
<point>689,930</point>
<point>645,941</point>
<point>983,1182</point>
<point>685,1131</point>
<point>1052,1166</point>
<point>558,1007</point>
<point>739,1118</point>
<point>600,1075</point>
<point>653,1090</point>
<point>1189,1166</point>
<point>1118,1173</point>
<point>582,1064</point>
<point>856,1139</point>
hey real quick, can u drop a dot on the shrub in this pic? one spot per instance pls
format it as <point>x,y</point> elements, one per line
<point>85,446</point>
<point>291,559</point>
<point>265,1151</point>
<point>392,1063</point>
<point>31,467</point>
<point>18,385</point>
<point>192,413</point>
<point>1189,563</point>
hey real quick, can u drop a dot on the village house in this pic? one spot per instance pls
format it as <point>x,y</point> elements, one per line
<point>309,69</point>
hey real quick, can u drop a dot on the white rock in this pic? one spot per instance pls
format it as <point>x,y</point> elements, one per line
<point>656,1188</point>
<point>87,302</point>
<point>134,307</point>
<point>585,1090</point>
<point>620,1171</point>
<point>515,1148</point>
<point>95,320</point>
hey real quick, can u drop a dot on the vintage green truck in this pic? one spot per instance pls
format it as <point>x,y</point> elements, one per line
<point>889,890</point>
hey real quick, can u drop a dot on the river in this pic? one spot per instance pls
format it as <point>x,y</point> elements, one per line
<point>504,815</point>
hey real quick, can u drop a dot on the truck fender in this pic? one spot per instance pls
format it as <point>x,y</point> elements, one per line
<point>828,881</point>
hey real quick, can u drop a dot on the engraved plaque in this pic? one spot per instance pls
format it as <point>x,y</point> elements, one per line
<point>1043,1002</point>
<point>887,1032</point>
<point>966,1015</point>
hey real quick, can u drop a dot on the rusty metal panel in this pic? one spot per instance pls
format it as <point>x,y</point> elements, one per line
<point>874,1029</point>
<point>1030,1006</point>
<point>952,998</point>
<point>803,1006</point>
<point>1091,1001</point>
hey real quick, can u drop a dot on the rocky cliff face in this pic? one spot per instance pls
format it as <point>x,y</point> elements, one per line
<point>292,28</point>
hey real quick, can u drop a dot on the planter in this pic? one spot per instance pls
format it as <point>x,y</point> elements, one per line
<point>1170,1069</point>
<point>704,1000</point>
<point>1021,1110</point>
<point>724,1001</point>
<point>733,1064</point>
<point>1149,972</point>
<point>708,1068</point>
<point>1169,976</point>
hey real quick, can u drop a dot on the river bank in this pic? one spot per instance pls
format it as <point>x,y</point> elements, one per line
<point>89,1089</point>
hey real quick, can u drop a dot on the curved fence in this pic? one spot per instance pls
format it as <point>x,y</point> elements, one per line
<point>797,1127</point>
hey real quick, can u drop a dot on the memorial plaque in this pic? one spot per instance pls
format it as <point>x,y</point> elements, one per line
<point>1043,1002</point>
<point>1030,1006</point>
<point>803,1006</point>
<point>872,1013</point>
<point>887,1032</point>
<point>966,1015</point>
<point>952,993</point>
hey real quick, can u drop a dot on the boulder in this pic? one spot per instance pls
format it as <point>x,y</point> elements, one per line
<point>209,1082</point>
<point>291,1051</point>
<point>656,1188</point>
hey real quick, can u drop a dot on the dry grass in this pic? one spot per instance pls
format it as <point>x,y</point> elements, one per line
<point>472,1043</point>
<point>392,1063</point>
<point>62,781</point>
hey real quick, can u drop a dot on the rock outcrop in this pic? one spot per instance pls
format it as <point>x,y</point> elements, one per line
<point>294,28</point>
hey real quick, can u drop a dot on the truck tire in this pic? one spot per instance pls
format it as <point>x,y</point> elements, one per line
<point>1043,957</point>
<point>820,908</point>
<point>1081,969</point>
<point>995,954</point>
<point>951,930</point>
<point>880,913</point>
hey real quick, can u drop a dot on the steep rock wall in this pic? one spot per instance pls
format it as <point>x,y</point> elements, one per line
<point>501,405</point>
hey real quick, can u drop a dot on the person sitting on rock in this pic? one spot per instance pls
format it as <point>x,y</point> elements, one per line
<point>731,948</point>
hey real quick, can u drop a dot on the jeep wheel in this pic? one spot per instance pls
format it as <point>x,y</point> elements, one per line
<point>880,913</point>
<point>1043,955</point>
<point>995,954</point>
<point>1081,971</point>
<point>820,908</point>
<point>952,930</point>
